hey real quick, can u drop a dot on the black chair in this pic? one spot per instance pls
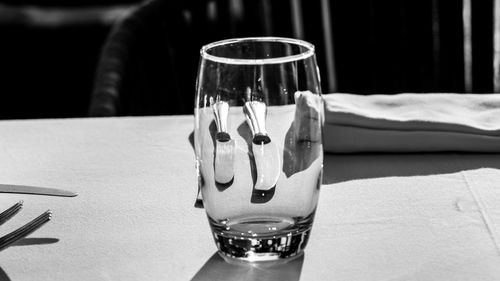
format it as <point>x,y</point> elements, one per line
<point>48,52</point>
<point>149,64</point>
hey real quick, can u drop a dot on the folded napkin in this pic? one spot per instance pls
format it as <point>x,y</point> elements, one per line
<point>412,123</point>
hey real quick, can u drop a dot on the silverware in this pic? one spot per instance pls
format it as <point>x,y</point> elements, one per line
<point>224,146</point>
<point>10,212</point>
<point>23,231</point>
<point>265,151</point>
<point>26,189</point>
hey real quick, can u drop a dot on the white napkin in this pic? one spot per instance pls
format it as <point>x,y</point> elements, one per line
<point>412,123</point>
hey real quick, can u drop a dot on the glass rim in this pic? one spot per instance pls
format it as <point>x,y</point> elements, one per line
<point>303,55</point>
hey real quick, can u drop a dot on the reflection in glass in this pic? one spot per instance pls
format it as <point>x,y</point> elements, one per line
<point>258,142</point>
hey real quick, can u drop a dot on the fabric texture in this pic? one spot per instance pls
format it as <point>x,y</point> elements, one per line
<point>412,123</point>
<point>384,217</point>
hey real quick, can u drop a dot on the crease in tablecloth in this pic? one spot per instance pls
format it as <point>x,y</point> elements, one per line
<point>483,210</point>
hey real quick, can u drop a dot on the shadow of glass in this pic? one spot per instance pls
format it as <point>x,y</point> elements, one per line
<point>35,241</point>
<point>245,132</point>
<point>345,167</point>
<point>3,275</point>
<point>218,269</point>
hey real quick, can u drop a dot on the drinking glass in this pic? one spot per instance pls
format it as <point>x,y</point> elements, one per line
<point>258,142</point>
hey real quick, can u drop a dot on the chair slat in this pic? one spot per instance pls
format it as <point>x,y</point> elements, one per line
<point>297,18</point>
<point>236,9</point>
<point>267,17</point>
<point>496,46</point>
<point>467,30</point>
<point>328,41</point>
<point>436,43</point>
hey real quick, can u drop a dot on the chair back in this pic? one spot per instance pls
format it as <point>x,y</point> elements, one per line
<point>149,63</point>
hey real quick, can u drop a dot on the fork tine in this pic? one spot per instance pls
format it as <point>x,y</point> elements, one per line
<point>25,230</point>
<point>43,217</point>
<point>10,212</point>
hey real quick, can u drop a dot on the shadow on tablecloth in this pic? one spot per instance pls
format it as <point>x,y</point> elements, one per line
<point>217,269</point>
<point>27,242</point>
<point>345,167</point>
<point>3,275</point>
<point>35,241</point>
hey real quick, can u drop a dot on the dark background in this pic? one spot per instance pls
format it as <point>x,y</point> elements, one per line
<point>48,71</point>
<point>380,47</point>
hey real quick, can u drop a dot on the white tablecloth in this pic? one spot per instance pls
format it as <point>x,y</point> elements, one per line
<point>380,217</point>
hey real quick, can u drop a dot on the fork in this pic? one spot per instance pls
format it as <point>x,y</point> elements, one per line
<point>10,212</point>
<point>23,231</point>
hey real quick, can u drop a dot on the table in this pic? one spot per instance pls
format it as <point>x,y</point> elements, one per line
<point>380,217</point>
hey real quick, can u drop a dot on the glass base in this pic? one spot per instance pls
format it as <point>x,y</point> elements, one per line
<point>259,263</point>
<point>261,249</point>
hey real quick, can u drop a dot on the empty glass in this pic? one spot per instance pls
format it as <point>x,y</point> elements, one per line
<point>258,142</point>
